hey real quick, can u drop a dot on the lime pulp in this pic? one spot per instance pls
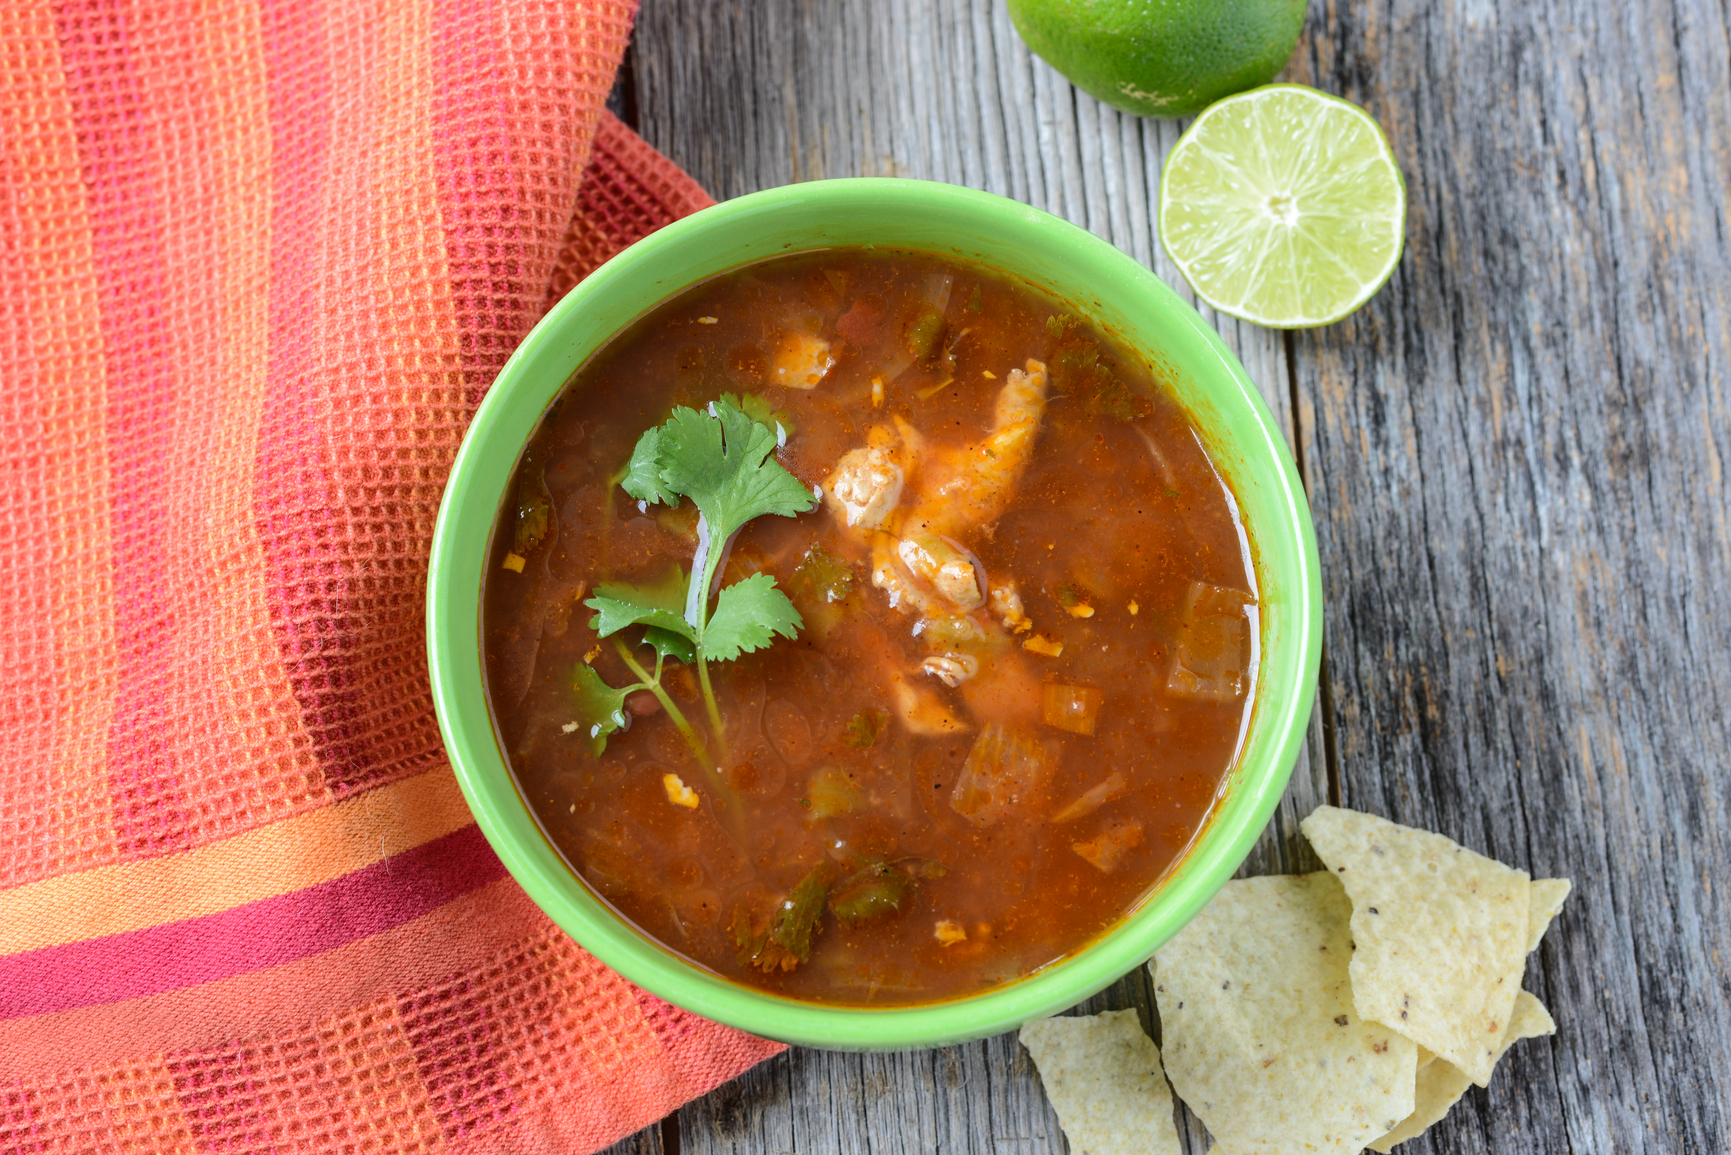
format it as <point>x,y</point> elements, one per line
<point>1283,206</point>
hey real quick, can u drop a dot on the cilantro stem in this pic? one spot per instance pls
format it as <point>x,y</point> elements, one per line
<point>652,683</point>
<point>709,554</point>
<point>724,797</point>
<point>709,701</point>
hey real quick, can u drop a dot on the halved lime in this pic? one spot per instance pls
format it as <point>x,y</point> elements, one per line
<point>1283,206</point>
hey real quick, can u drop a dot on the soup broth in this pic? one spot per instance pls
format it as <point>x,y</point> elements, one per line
<point>1024,659</point>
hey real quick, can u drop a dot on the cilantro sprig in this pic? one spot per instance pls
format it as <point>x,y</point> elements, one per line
<point>722,461</point>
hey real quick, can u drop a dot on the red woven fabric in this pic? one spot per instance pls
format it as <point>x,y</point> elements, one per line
<point>259,261</point>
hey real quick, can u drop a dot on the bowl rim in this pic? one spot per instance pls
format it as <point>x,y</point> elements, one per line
<point>473,493</point>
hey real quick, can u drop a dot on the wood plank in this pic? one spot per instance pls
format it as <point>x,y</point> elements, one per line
<point>1517,452</point>
<point>782,92</point>
<point>1516,458</point>
<point>645,1142</point>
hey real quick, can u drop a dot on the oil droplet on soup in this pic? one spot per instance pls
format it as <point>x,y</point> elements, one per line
<point>1025,647</point>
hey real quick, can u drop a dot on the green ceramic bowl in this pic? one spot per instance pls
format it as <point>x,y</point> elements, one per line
<point>1075,266</point>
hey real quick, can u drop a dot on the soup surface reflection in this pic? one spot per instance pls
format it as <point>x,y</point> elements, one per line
<point>1025,654</point>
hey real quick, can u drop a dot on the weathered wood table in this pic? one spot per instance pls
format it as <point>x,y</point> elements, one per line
<point>1516,457</point>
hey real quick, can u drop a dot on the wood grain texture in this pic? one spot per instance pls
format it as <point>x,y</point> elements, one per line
<point>1515,458</point>
<point>1517,452</point>
<point>645,1142</point>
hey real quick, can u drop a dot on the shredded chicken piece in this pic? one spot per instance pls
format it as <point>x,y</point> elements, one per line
<point>921,711</point>
<point>926,574</point>
<point>865,487</point>
<point>904,593</point>
<point>1006,602</point>
<point>945,567</point>
<point>800,361</point>
<point>951,669</point>
<point>975,482</point>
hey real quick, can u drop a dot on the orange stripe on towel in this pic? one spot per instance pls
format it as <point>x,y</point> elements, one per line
<point>56,608</point>
<point>272,860</point>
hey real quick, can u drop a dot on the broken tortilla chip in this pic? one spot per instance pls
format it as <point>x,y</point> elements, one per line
<point>1441,933</point>
<point>1441,1084</point>
<point>1543,904</point>
<point>1102,1075</point>
<point>1261,1037</point>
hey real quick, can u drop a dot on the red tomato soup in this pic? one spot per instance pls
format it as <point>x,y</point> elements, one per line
<point>998,680</point>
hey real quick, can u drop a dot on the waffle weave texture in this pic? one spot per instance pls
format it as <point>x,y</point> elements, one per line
<point>259,262</point>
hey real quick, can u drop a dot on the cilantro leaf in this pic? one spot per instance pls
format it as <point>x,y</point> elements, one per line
<point>719,460</point>
<point>600,708</point>
<point>614,614</point>
<point>660,604</point>
<point>670,644</point>
<point>748,615</point>
<point>666,592</point>
<point>643,473</point>
<point>755,407</point>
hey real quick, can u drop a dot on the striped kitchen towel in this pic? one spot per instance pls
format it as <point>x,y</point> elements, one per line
<point>259,261</point>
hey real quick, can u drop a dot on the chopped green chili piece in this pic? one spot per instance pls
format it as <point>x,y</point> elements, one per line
<point>863,730</point>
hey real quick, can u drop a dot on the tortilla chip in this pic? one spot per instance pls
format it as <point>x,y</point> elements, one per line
<point>1441,933</point>
<point>1441,1084</point>
<point>1544,903</point>
<point>1103,1077</point>
<point>1261,1039</point>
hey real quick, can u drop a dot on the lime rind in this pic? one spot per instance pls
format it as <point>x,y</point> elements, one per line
<point>1283,206</point>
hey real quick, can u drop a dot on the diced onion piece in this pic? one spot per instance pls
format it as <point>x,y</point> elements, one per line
<point>1006,774</point>
<point>1211,660</point>
<point>1072,708</point>
<point>1040,644</point>
<point>1080,610</point>
<point>678,792</point>
<point>949,932</point>
<point>1134,608</point>
<point>515,562</point>
<point>1107,849</point>
<point>1113,788</point>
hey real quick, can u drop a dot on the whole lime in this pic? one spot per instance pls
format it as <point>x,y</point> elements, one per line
<point>1162,57</point>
